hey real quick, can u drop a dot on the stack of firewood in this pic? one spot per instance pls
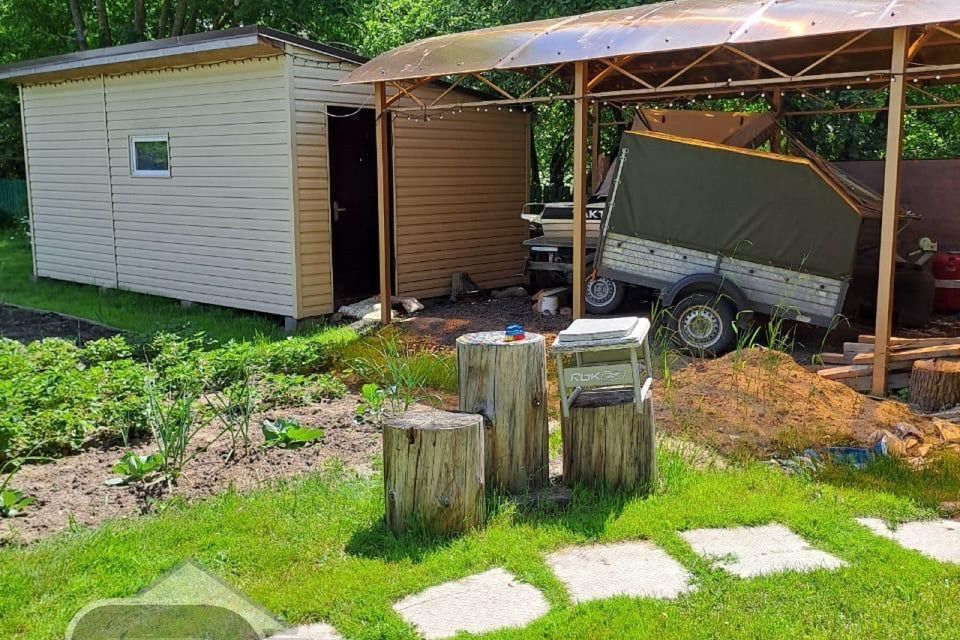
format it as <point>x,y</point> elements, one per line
<point>854,367</point>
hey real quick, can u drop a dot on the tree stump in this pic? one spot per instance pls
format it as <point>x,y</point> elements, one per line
<point>433,471</point>
<point>935,384</point>
<point>606,442</point>
<point>506,382</point>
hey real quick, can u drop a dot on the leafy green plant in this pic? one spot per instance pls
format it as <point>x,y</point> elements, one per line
<point>405,372</point>
<point>234,408</point>
<point>136,468</point>
<point>281,390</point>
<point>288,434</point>
<point>14,502</point>
<point>372,398</point>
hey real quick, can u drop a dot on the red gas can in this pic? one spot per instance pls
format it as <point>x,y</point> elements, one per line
<point>946,270</point>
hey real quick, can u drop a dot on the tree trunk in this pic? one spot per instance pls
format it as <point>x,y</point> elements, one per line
<point>79,26</point>
<point>103,22</point>
<point>139,19</point>
<point>606,442</point>
<point>163,24</point>
<point>178,18</point>
<point>935,385</point>
<point>433,472</point>
<point>506,382</point>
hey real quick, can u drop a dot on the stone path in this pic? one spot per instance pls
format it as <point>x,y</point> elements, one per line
<point>758,551</point>
<point>495,599</point>
<point>937,539</point>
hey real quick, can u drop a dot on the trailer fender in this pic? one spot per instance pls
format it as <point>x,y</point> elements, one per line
<point>712,282</point>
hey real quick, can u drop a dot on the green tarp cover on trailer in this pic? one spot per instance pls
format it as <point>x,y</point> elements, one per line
<point>751,205</point>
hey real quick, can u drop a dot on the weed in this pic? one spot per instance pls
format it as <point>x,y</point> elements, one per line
<point>405,372</point>
<point>370,408</point>
<point>288,434</point>
<point>279,390</point>
<point>233,408</point>
<point>174,424</point>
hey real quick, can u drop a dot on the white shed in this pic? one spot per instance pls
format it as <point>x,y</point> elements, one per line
<point>229,168</point>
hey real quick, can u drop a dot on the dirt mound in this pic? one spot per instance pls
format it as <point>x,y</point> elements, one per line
<point>762,403</point>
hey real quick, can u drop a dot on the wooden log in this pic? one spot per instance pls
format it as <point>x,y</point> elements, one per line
<point>433,472</point>
<point>506,382</point>
<point>607,442</point>
<point>935,385</point>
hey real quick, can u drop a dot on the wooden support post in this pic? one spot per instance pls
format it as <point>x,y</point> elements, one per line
<point>433,472</point>
<point>506,382</point>
<point>595,176</point>
<point>777,104</point>
<point>383,198</point>
<point>580,109</point>
<point>891,200</point>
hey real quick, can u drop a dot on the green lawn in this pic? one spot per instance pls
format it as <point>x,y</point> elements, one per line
<point>317,550</point>
<point>133,312</point>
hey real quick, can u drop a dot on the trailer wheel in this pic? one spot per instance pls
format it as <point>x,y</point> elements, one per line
<point>603,295</point>
<point>704,324</point>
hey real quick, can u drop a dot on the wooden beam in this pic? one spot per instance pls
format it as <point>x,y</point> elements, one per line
<point>383,198</point>
<point>580,109</point>
<point>891,200</point>
<point>595,147</point>
<point>777,104</point>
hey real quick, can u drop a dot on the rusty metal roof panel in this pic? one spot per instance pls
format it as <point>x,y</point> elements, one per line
<point>674,25</point>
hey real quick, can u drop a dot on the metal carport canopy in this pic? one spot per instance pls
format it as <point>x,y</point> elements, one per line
<point>685,48</point>
<point>662,27</point>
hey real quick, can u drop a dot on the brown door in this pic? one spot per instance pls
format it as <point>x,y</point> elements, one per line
<point>353,202</point>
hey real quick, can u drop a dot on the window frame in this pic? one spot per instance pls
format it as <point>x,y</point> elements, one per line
<point>148,173</point>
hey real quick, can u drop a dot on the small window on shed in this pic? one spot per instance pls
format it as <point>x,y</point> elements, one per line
<point>150,156</point>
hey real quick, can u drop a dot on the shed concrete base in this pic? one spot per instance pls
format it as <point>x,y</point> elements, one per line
<point>937,539</point>
<point>757,551</point>
<point>481,603</point>
<point>635,569</point>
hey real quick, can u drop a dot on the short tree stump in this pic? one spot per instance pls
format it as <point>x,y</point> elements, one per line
<point>607,442</point>
<point>506,382</point>
<point>935,384</point>
<point>433,472</point>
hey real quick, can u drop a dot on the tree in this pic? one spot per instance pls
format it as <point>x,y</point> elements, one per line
<point>103,21</point>
<point>79,25</point>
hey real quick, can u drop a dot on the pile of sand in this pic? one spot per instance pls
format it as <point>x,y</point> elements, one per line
<point>762,403</point>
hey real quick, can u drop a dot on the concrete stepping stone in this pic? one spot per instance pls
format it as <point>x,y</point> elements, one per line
<point>480,603</point>
<point>757,551</point>
<point>937,539</point>
<point>636,569</point>
<point>317,631</point>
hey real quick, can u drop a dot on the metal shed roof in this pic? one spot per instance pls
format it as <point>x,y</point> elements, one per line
<point>213,46</point>
<point>813,26</point>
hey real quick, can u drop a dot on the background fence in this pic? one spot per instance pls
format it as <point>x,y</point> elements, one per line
<point>13,200</point>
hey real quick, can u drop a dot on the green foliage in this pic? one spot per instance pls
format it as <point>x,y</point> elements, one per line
<point>135,468</point>
<point>404,371</point>
<point>13,503</point>
<point>288,434</point>
<point>234,407</point>
<point>371,406</point>
<point>280,390</point>
<point>173,423</point>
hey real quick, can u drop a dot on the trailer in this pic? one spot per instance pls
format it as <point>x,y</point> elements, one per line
<point>716,232</point>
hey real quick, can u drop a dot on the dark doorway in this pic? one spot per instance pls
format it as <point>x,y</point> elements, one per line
<point>353,202</point>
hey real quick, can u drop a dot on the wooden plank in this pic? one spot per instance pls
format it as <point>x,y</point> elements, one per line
<point>947,351</point>
<point>383,198</point>
<point>891,201</point>
<point>913,343</point>
<point>834,358</point>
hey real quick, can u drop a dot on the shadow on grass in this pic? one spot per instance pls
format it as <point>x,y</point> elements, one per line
<point>583,512</point>
<point>931,486</point>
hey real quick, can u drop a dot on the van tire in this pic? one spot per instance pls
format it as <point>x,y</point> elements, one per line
<point>704,324</point>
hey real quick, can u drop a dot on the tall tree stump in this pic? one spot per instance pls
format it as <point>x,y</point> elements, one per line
<point>506,382</point>
<point>935,384</point>
<point>433,471</point>
<point>606,442</point>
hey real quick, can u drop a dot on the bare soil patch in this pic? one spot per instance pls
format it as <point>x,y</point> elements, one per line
<point>762,403</point>
<point>26,325</point>
<point>72,490</point>
<point>443,322</point>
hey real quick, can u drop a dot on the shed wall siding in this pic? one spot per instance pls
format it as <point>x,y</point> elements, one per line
<point>459,184</point>
<point>313,89</point>
<point>67,172</point>
<point>220,230</point>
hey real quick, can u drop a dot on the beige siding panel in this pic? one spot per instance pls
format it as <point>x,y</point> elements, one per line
<point>314,88</point>
<point>459,186</point>
<point>218,230</point>
<point>65,139</point>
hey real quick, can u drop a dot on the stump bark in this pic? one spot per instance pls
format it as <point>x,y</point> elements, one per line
<point>433,472</point>
<point>506,382</point>
<point>606,442</point>
<point>935,384</point>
